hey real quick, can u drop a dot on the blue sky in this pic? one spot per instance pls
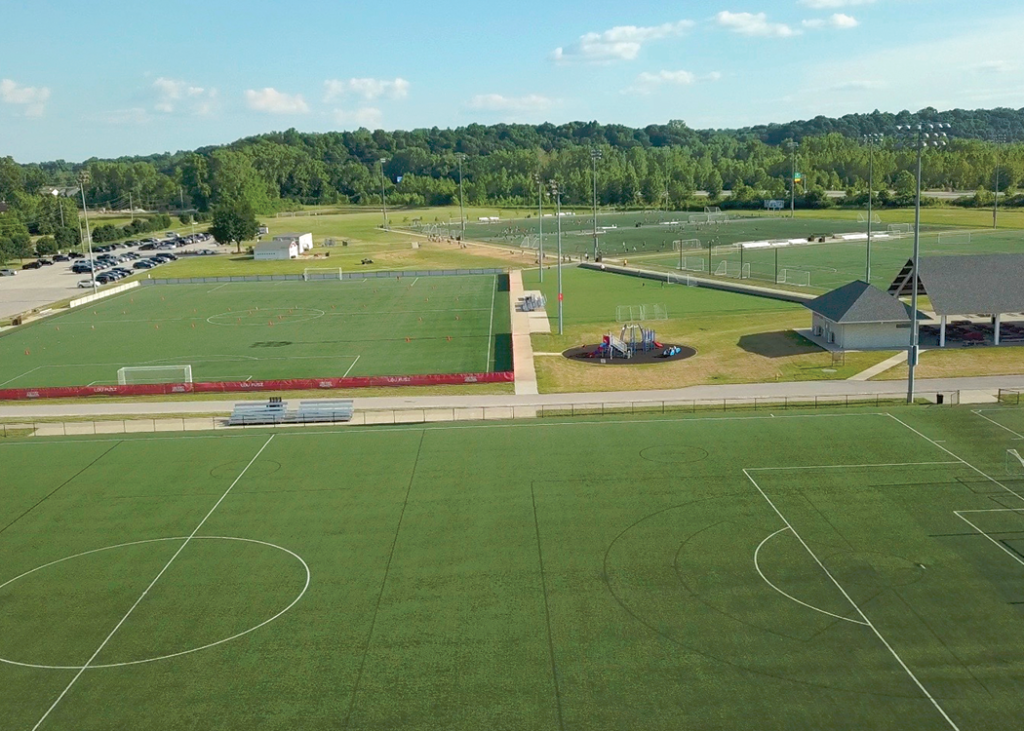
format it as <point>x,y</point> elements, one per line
<point>111,78</point>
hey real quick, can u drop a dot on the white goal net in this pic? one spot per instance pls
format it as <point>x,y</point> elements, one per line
<point>898,230</point>
<point>694,263</point>
<point>134,375</point>
<point>680,279</point>
<point>797,277</point>
<point>863,218</point>
<point>317,274</point>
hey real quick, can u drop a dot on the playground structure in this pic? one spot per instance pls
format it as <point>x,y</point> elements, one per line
<point>633,339</point>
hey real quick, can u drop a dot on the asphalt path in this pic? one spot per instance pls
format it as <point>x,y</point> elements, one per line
<point>792,389</point>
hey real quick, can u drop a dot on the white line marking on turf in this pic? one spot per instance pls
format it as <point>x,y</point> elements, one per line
<point>847,466</point>
<point>1006,428</point>
<point>854,604</point>
<point>351,367</point>
<point>490,328</point>
<point>999,545</point>
<point>11,380</point>
<point>414,282</point>
<point>211,291</point>
<point>176,654</point>
<point>790,596</point>
<point>959,459</point>
<point>151,585</point>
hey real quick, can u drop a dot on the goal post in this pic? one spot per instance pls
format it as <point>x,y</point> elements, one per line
<point>136,375</point>
<point>898,229</point>
<point>318,274</point>
<point>694,263</point>
<point>863,218</point>
<point>796,277</point>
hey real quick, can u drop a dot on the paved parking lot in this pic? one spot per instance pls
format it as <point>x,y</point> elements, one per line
<point>34,288</point>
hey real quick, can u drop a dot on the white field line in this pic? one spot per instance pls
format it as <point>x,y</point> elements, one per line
<point>1005,428</point>
<point>151,585</point>
<point>789,596</point>
<point>351,366</point>
<point>211,291</point>
<point>854,604</point>
<point>848,466</point>
<point>959,459</point>
<point>22,375</point>
<point>414,282</point>
<point>994,542</point>
<point>490,328</point>
<point>404,312</point>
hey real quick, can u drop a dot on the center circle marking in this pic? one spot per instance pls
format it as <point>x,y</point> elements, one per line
<point>265,314</point>
<point>207,646</point>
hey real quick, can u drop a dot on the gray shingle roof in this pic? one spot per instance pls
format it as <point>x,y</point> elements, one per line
<point>976,284</point>
<point>859,302</point>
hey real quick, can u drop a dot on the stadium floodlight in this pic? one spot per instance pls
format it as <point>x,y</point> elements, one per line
<point>558,218</point>
<point>383,200</point>
<point>595,155</point>
<point>791,144</point>
<point>871,140</point>
<point>83,180</point>
<point>921,136</point>
<point>997,138</point>
<point>462,215</point>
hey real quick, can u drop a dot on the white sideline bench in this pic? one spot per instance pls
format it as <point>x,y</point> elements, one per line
<point>277,412</point>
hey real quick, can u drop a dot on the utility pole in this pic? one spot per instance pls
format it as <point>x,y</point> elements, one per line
<point>558,217</point>
<point>83,178</point>
<point>131,207</point>
<point>792,178</point>
<point>870,139</point>
<point>595,155</point>
<point>921,136</point>
<point>540,221</point>
<point>383,200</point>
<point>462,215</point>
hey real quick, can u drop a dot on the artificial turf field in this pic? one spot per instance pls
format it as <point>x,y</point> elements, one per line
<point>844,570</point>
<point>269,330</point>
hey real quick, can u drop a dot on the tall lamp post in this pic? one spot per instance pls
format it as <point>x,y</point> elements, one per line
<point>871,140</point>
<point>791,144</point>
<point>83,179</point>
<point>595,155</point>
<point>997,138</point>
<point>919,136</point>
<point>558,217</point>
<point>540,221</point>
<point>383,200</point>
<point>462,216</point>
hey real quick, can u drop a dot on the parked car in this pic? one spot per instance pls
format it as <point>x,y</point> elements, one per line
<point>62,257</point>
<point>76,255</point>
<point>7,272</point>
<point>85,283</point>
<point>31,265</point>
<point>144,264</point>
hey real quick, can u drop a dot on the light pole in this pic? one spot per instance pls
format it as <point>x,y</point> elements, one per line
<point>462,216</point>
<point>997,139</point>
<point>383,200</point>
<point>540,221</point>
<point>871,140</point>
<point>595,155</point>
<point>83,178</point>
<point>558,217</point>
<point>920,136</point>
<point>791,144</point>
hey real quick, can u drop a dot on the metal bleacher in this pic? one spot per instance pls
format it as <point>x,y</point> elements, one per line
<point>276,412</point>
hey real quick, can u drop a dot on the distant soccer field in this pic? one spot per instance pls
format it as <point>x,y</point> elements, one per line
<point>844,570</point>
<point>269,330</point>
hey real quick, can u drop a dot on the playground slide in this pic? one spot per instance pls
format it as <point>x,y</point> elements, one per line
<point>618,346</point>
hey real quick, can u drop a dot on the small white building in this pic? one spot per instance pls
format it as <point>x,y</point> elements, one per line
<point>303,241</point>
<point>858,316</point>
<point>277,249</point>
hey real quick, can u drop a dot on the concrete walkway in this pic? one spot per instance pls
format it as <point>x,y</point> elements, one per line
<point>749,391</point>
<point>868,373</point>
<point>522,346</point>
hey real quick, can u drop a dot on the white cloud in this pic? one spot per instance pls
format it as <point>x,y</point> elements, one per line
<point>272,101</point>
<point>621,43</point>
<point>856,85</point>
<point>368,117</point>
<point>648,83</point>
<point>33,98</point>
<point>500,103</point>
<point>754,24</point>
<point>996,67</point>
<point>171,93</point>
<point>833,4</point>
<point>368,89</point>
<point>131,115</point>
<point>836,20</point>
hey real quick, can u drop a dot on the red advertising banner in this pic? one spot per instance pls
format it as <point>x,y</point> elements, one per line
<point>294,384</point>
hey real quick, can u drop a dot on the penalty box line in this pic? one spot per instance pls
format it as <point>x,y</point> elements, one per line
<point>856,607</point>
<point>151,585</point>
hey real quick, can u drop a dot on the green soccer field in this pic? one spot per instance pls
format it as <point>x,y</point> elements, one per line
<point>269,330</point>
<point>833,570</point>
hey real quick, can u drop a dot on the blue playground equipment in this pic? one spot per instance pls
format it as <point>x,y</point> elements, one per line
<point>633,339</point>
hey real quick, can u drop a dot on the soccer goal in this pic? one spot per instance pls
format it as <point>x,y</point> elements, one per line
<point>655,312</point>
<point>1014,463</point>
<point>797,277</point>
<point>685,244</point>
<point>727,268</point>
<point>678,279</point>
<point>629,313</point>
<point>898,229</point>
<point>531,242</point>
<point>694,263</point>
<point>319,274</point>
<point>745,271</point>
<point>134,375</point>
<point>863,218</point>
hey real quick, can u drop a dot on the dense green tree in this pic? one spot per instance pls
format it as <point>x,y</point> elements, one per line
<point>234,222</point>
